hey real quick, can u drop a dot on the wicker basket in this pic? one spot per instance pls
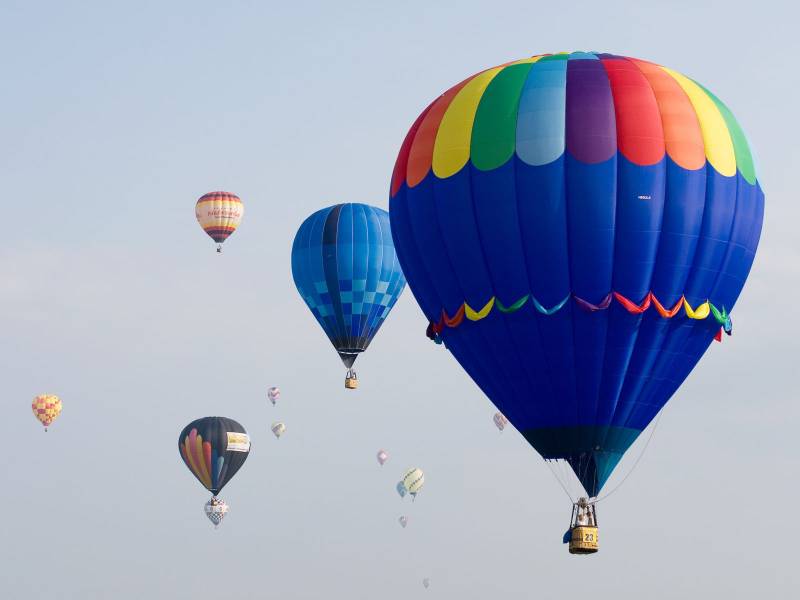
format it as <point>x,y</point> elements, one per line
<point>584,540</point>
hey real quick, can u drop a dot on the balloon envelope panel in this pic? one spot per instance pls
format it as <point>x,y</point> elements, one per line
<point>577,228</point>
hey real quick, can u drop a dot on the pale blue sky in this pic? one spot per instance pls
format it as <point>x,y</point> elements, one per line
<point>116,116</point>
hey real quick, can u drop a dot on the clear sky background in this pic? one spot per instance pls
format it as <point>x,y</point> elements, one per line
<point>116,116</point>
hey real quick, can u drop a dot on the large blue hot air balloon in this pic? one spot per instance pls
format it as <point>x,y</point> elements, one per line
<point>345,268</point>
<point>577,228</point>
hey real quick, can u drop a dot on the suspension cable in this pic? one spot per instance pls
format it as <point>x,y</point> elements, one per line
<point>635,464</point>
<point>558,479</point>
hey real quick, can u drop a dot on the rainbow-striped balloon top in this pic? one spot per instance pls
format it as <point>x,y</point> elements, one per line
<point>541,107</point>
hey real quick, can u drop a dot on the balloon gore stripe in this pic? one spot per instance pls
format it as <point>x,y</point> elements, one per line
<point>702,311</point>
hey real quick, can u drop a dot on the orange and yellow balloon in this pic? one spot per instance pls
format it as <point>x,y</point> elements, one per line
<point>219,214</point>
<point>46,408</point>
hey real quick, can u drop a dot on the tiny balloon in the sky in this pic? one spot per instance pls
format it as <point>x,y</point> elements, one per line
<point>278,428</point>
<point>219,214</point>
<point>274,394</point>
<point>413,480</point>
<point>403,520</point>
<point>500,421</point>
<point>382,456</point>
<point>46,409</point>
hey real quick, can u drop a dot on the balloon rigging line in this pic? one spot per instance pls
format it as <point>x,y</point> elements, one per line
<point>558,479</point>
<point>638,458</point>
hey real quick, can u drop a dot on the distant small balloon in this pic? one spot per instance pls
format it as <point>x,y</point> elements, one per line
<point>278,428</point>
<point>413,480</point>
<point>215,510</point>
<point>401,489</point>
<point>219,214</point>
<point>46,408</point>
<point>500,421</point>
<point>426,582</point>
<point>274,395</point>
<point>403,521</point>
<point>382,456</point>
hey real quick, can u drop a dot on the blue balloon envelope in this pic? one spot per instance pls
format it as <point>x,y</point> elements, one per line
<point>346,270</point>
<point>576,228</point>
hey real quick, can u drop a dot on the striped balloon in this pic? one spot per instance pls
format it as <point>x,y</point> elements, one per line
<point>219,214</point>
<point>46,408</point>
<point>413,480</point>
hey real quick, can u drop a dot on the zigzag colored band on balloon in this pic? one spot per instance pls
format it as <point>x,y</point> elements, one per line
<point>702,311</point>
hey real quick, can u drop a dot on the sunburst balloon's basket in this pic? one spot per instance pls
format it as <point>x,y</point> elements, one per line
<point>350,380</point>
<point>583,528</point>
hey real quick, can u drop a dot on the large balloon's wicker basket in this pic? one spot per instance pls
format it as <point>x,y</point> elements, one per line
<point>583,540</point>
<point>351,383</point>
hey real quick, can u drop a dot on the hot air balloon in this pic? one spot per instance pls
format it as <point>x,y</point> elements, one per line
<point>426,582</point>
<point>382,457</point>
<point>577,228</point>
<point>403,520</point>
<point>500,421</point>
<point>401,489</point>
<point>215,510</point>
<point>46,408</point>
<point>219,214</point>
<point>278,428</point>
<point>346,271</point>
<point>214,449</point>
<point>413,480</point>
<point>274,395</point>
